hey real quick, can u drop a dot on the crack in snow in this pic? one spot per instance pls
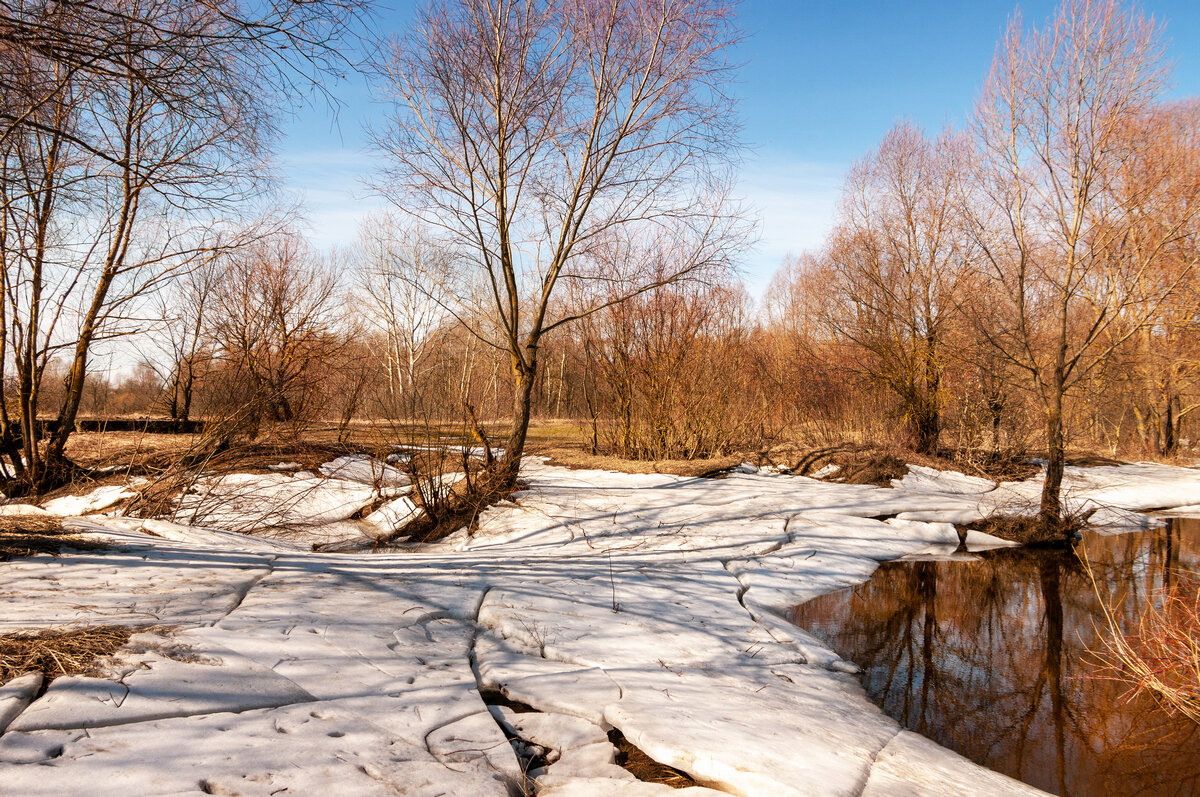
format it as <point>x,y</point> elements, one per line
<point>244,590</point>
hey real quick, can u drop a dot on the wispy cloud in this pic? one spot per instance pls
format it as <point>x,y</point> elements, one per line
<point>795,202</point>
<point>333,186</point>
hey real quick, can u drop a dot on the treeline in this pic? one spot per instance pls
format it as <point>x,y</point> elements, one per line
<point>1022,283</point>
<point>1026,282</point>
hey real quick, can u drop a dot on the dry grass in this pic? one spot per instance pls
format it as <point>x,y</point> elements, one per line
<point>105,449</point>
<point>1161,658</point>
<point>29,535</point>
<point>1030,530</point>
<point>54,653</point>
<point>869,467</point>
<point>997,466</point>
<point>577,459</point>
<point>645,768</point>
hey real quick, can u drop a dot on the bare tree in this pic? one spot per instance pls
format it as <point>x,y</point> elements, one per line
<point>403,273</point>
<point>182,337</point>
<point>273,323</point>
<point>178,51</point>
<point>896,266</point>
<point>129,131</point>
<point>1160,185</point>
<point>537,134</point>
<point>1050,130</point>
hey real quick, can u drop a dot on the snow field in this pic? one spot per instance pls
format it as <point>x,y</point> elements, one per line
<point>648,603</point>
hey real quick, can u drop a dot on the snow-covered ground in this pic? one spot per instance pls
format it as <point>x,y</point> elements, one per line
<point>647,603</point>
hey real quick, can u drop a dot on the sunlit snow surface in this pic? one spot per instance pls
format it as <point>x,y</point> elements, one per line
<point>648,603</point>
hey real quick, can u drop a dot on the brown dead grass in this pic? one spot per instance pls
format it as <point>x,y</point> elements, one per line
<point>645,768</point>
<point>577,459</point>
<point>869,467</point>
<point>867,463</point>
<point>29,535</point>
<point>55,653</point>
<point>1160,656</point>
<point>1029,530</point>
<point>103,449</point>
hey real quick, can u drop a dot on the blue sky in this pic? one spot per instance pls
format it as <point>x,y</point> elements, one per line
<point>822,82</point>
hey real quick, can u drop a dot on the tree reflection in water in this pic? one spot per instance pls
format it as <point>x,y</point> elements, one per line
<point>992,658</point>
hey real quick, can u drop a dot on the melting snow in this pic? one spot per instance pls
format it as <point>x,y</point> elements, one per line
<point>649,603</point>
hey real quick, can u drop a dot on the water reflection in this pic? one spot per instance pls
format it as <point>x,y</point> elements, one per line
<point>991,658</point>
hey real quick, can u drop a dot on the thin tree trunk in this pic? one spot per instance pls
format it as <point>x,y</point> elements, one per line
<point>1051,506</point>
<point>524,374</point>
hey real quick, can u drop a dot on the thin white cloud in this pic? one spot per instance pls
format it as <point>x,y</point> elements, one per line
<point>333,188</point>
<point>795,202</point>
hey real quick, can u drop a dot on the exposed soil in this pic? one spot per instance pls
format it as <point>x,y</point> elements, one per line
<point>865,463</point>
<point>29,535</point>
<point>878,468</point>
<point>645,768</point>
<point>577,459</point>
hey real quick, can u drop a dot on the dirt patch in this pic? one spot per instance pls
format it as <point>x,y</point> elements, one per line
<point>29,535</point>
<point>645,768</point>
<point>877,468</point>
<point>494,697</point>
<point>866,463</point>
<point>1092,460</point>
<point>55,653</point>
<point>856,464</point>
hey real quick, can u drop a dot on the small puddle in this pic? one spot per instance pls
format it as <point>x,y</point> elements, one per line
<point>991,658</point>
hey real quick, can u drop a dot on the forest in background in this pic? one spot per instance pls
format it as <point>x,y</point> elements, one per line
<point>1021,285</point>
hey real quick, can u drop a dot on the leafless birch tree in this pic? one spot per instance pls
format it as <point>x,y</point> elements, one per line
<point>896,263</point>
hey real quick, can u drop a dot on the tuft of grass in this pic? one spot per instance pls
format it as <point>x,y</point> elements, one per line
<point>58,652</point>
<point>29,535</point>
<point>1160,657</point>
<point>871,467</point>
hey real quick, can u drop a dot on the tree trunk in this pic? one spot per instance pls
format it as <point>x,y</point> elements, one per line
<point>1051,507</point>
<point>925,427</point>
<point>524,375</point>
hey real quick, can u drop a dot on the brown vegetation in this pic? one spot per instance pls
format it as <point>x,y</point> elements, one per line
<point>1161,657</point>
<point>1031,530</point>
<point>57,652</point>
<point>559,149</point>
<point>29,535</point>
<point>645,768</point>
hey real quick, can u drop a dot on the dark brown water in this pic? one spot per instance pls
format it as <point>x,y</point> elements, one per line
<point>991,658</point>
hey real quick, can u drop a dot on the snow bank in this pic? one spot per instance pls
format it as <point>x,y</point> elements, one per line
<point>243,502</point>
<point>365,470</point>
<point>96,500</point>
<point>654,604</point>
